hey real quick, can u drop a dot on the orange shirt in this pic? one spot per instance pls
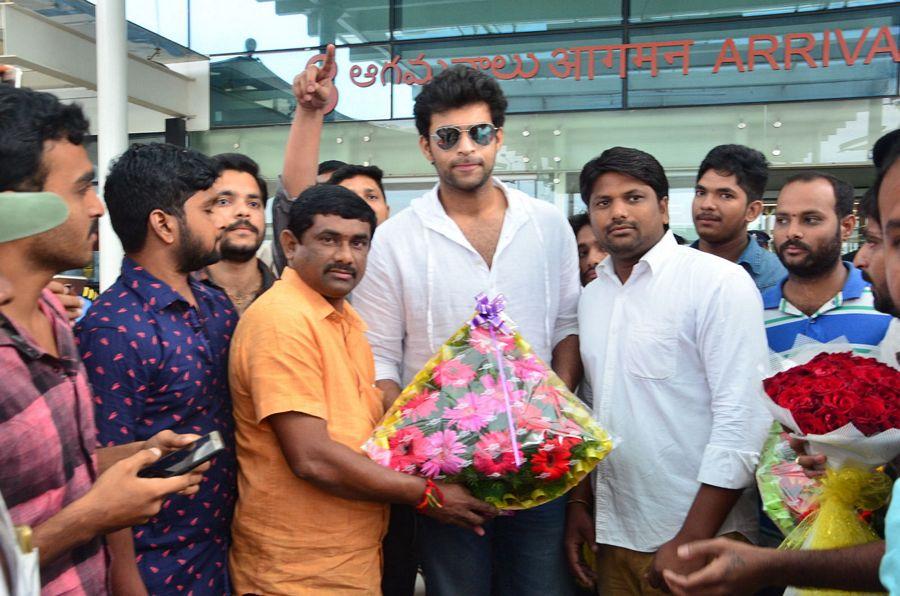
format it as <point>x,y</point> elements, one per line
<point>293,352</point>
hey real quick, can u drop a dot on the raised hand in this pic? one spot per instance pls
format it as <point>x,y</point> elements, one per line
<point>314,86</point>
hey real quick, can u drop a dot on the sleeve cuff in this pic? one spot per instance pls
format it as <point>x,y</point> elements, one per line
<point>727,468</point>
<point>386,371</point>
<point>281,406</point>
<point>564,331</point>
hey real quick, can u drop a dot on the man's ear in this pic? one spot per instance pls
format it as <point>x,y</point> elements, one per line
<point>664,209</point>
<point>848,224</point>
<point>164,226</point>
<point>289,243</point>
<point>753,211</point>
<point>425,147</point>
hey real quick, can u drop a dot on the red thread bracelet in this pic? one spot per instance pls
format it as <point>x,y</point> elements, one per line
<point>432,497</point>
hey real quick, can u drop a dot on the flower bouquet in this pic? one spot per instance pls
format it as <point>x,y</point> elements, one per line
<point>848,408</point>
<point>487,413</point>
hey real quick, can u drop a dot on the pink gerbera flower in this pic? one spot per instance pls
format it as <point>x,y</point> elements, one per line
<point>472,412</point>
<point>493,392</point>
<point>443,454</point>
<point>481,340</point>
<point>529,369</point>
<point>494,455</point>
<point>529,416</point>
<point>408,449</point>
<point>421,405</point>
<point>453,373</point>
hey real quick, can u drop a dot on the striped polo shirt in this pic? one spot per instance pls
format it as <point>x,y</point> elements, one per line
<point>850,314</point>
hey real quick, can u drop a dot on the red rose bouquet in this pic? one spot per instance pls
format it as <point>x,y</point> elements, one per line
<point>486,412</point>
<point>847,407</point>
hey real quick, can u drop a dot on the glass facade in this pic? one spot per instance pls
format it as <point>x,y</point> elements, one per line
<point>810,83</point>
<point>549,57</point>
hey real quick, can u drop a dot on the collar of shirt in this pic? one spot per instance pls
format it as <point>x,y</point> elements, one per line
<point>853,289</point>
<point>153,291</point>
<point>268,278</point>
<point>751,258</point>
<point>321,308</point>
<point>433,216</point>
<point>12,335</point>
<point>655,258</point>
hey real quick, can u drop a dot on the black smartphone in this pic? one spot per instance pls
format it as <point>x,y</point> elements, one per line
<point>186,459</point>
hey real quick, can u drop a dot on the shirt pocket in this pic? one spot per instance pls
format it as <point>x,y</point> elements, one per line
<point>651,353</point>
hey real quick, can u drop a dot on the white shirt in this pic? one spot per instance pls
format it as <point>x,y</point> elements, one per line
<point>889,348</point>
<point>24,574</point>
<point>673,357</point>
<point>423,276</point>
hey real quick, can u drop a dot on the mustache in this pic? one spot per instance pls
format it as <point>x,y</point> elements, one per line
<point>867,278</point>
<point>344,268</point>
<point>467,161</point>
<point>95,227</point>
<point>242,223</point>
<point>795,243</point>
<point>620,224</point>
<point>708,217</point>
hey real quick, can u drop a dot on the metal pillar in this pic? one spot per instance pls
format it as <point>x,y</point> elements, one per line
<point>112,118</point>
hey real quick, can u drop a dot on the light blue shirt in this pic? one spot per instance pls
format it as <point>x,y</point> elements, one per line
<point>890,564</point>
<point>762,265</point>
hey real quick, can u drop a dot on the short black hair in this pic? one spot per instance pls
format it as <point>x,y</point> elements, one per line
<point>868,207</point>
<point>885,153</point>
<point>239,162</point>
<point>578,221</point>
<point>150,177</point>
<point>459,86</point>
<point>327,199</point>
<point>330,165</point>
<point>843,191</point>
<point>630,162</point>
<point>348,171</point>
<point>747,165</point>
<point>28,119</point>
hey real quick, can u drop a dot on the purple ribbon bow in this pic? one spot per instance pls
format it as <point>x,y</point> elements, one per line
<point>488,313</point>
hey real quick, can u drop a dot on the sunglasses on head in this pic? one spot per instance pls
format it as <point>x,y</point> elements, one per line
<point>446,137</point>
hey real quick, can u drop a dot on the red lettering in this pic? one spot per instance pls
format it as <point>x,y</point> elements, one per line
<point>753,51</point>
<point>890,46</point>
<point>851,59</point>
<point>826,48</point>
<point>803,51</point>
<point>728,54</point>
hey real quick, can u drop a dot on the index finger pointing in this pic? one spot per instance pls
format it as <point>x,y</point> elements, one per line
<point>328,66</point>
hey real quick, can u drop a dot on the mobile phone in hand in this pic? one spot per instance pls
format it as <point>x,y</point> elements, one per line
<point>185,459</point>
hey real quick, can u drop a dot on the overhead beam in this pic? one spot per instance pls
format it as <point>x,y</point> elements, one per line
<point>34,42</point>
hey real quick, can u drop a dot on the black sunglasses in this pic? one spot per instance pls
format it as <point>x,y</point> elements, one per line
<point>446,137</point>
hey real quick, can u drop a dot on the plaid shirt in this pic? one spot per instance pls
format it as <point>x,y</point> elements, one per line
<point>47,441</point>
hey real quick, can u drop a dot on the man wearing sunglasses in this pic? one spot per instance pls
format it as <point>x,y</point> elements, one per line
<point>473,234</point>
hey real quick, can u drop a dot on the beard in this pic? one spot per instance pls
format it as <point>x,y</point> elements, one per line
<point>191,255</point>
<point>881,297</point>
<point>817,261</point>
<point>450,178</point>
<point>238,253</point>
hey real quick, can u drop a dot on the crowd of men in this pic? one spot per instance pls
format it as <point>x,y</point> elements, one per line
<point>666,341</point>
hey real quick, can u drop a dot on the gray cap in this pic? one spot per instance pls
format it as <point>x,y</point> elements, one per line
<point>24,214</point>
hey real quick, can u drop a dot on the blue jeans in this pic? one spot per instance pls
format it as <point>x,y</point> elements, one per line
<point>519,555</point>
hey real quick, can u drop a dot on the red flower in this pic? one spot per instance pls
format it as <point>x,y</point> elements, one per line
<point>551,462</point>
<point>833,390</point>
<point>409,448</point>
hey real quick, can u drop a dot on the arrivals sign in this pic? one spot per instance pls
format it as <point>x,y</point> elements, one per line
<point>581,62</point>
